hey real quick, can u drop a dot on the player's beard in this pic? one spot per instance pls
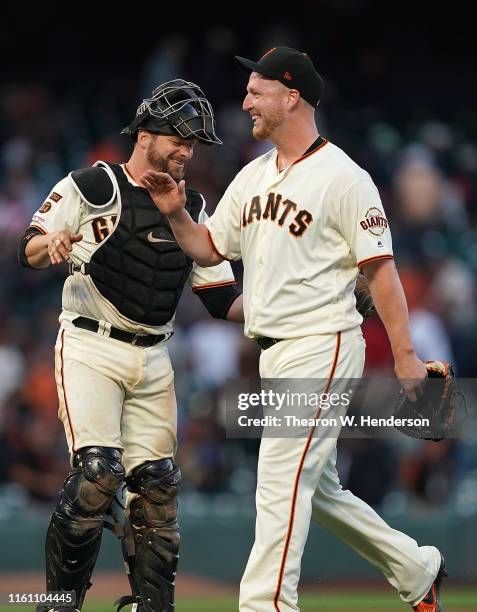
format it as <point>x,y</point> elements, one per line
<point>269,123</point>
<point>164,164</point>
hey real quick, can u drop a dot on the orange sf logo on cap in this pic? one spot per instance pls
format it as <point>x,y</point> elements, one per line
<point>287,76</point>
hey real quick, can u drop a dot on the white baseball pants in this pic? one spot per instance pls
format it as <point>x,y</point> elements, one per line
<point>297,480</point>
<point>115,394</point>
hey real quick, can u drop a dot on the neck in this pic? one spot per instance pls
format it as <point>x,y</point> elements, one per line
<point>292,144</point>
<point>136,166</point>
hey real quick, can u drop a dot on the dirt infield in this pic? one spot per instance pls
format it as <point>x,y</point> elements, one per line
<point>198,594</point>
<point>109,584</point>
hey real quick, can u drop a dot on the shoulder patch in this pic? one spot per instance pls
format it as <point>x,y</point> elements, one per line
<point>45,207</point>
<point>94,185</point>
<point>56,197</point>
<point>374,221</point>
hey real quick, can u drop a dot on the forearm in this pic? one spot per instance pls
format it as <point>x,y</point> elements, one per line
<point>36,251</point>
<point>40,250</point>
<point>390,303</point>
<point>193,238</point>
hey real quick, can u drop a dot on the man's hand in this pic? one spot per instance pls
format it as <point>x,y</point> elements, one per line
<point>60,244</point>
<point>170,199</point>
<point>412,374</point>
<point>167,195</point>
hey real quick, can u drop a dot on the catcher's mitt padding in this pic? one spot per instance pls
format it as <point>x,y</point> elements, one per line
<point>364,301</point>
<point>433,415</point>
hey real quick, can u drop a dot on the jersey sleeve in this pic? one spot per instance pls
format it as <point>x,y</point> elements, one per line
<point>224,225</point>
<point>364,224</point>
<point>60,210</point>
<point>213,276</point>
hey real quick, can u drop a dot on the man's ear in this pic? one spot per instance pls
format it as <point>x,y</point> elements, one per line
<point>293,98</point>
<point>143,139</point>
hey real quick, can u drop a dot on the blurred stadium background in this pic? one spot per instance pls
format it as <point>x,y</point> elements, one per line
<point>400,99</point>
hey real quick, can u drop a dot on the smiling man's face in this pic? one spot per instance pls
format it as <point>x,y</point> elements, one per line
<point>265,104</point>
<point>170,154</point>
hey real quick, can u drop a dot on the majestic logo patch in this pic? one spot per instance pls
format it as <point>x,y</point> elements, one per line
<point>374,221</point>
<point>56,197</point>
<point>151,238</point>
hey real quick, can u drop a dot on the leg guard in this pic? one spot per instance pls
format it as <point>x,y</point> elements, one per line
<point>74,534</point>
<point>151,543</point>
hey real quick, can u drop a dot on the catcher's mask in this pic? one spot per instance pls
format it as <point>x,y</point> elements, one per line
<point>177,108</point>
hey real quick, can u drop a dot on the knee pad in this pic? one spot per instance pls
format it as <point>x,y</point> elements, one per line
<point>91,485</point>
<point>156,484</point>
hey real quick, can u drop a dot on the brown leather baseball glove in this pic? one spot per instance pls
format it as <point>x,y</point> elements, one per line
<point>439,405</point>
<point>364,301</point>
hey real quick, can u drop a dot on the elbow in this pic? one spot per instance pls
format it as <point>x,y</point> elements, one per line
<point>22,258</point>
<point>208,261</point>
<point>218,300</point>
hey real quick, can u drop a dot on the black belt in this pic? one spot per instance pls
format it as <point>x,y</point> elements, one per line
<point>266,343</point>
<point>120,334</point>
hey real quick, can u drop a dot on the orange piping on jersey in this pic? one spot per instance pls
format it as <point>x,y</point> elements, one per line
<point>211,285</point>
<point>297,478</point>
<point>375,258</point>
<point>64,393</point>
<point>325,142</point>
<point>297,161</point>
<point>43,231</point>
<point>215,248</point>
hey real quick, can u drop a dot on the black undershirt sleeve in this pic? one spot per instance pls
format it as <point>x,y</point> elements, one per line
<point>218,300</point>
<point>30,232</point>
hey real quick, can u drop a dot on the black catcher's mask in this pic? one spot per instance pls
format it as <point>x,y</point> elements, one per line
<point>177,108</point>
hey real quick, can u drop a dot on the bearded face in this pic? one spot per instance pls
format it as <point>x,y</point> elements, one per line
<point>266,121</point>
<point>169,154</point>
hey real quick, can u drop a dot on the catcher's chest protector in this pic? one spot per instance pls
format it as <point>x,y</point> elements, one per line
<point>140,268</point>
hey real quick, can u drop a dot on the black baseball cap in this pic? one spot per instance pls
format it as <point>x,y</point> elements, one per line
<point>292,68</point>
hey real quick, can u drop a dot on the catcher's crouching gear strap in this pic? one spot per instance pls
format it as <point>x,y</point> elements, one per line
<point>74,534</point>
<point>151,543</point>
<point>218,300</point>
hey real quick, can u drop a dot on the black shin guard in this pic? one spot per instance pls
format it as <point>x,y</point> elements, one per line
<point>74,534</point>
<point>72,547</point>
<point>151,544</point>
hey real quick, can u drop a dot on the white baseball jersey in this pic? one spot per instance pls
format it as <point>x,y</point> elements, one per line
<point>302,233</point>
<point>65,209</point>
